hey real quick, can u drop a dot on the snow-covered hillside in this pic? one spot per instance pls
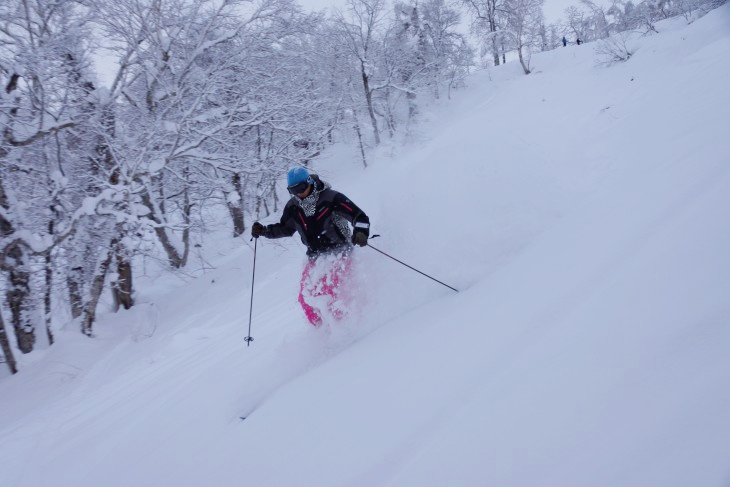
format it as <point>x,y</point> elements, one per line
<point>584,215</point>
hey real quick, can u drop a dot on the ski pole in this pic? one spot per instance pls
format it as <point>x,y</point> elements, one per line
<point>413,268</point>
<point>249,338</point>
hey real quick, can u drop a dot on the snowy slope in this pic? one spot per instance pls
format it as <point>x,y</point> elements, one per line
<point>582,212</point>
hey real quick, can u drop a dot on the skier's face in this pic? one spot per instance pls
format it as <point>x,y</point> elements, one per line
<point>305,193</point>
<point>301,189</point>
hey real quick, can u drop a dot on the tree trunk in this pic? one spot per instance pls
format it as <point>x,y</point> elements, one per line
<point>356,127</point>
<point>237,216</point>
<point>97,287</point>
<point>276,197</point>
<point>13,261</point>
<point>47,297</point>
<point>122,290</point>
<point>173,256</point>
<point>5,346</point>
<point>525,68</point>
<point>371,109</point>
<point>176,260</point>
<point>493,32</point>
<point>235,208</point>
<point>73,281</point>
<point>187,209</point>
<point>19,299</point>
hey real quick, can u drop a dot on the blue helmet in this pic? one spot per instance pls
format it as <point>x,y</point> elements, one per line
<point>297,175</point>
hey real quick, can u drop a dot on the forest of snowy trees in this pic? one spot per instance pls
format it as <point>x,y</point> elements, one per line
<point>209,103</point>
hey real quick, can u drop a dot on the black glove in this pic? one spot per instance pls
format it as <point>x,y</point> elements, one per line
<point>360,238</point>
<point>258,230</point>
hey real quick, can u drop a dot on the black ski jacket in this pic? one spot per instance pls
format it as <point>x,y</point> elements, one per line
<point>326,229</point>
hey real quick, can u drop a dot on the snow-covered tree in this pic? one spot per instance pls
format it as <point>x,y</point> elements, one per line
<point>43,68</point>
<point>522,22</point>
<point>452,54</point>
<point>487,17</point>
<point>358,31</point>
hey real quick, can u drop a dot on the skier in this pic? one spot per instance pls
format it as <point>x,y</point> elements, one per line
<point>565,41</point>
<point>320,215</point>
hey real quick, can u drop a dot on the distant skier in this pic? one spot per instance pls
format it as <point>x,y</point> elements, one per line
<point>322,217</point>
<point>578,41</point>
<point>565,41</point>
